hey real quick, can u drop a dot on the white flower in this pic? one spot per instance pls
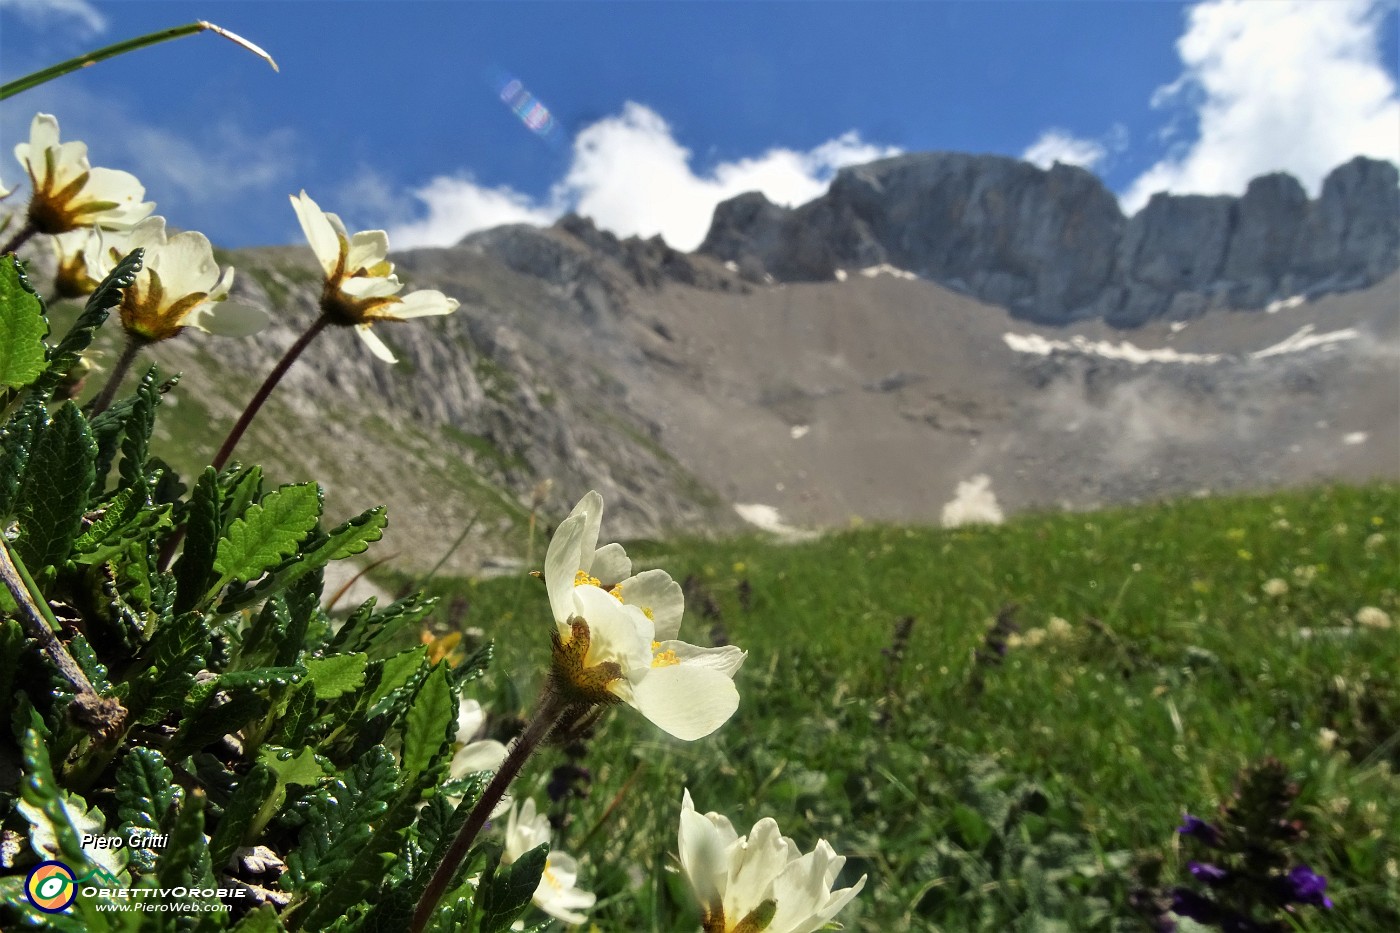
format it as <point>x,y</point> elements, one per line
<point>556,894</point>
<point>360,286</point>
<point>68,192</point>
<point>473,755</point>
<point>1373,617</point>
<point>759,876</point>
<point>619,642</point>
<point>179,285</point>
<point>75,254</point>
<point>1275,587</point>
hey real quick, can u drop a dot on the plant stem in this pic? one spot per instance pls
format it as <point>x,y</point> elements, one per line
<point>129,45</point>
<point>119,370</point>
<point>94,711</point>
<point>551,708</point>
<point>270,383</point>
<point>20,237</point>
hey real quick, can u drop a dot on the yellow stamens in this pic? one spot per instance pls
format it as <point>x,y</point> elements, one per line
<point>665,658</point>
<point>581,578</point>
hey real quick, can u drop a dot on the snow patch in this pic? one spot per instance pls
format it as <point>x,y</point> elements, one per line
<point>885,268</point>
<point>1283,304</point>
<point>1178,326</point>
<point>731,265</point>
<point>840,275</point>
<point>767,518</point>
<point>973,504</point>
<point>1304,339</point>
<point>1355,437</point>
<point>800,430</point>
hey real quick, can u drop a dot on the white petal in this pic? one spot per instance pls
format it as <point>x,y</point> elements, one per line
<point>322,236</point>
<point>610,564</point>
<point>687,701</point>
<point>423,303</point>
<point>727,660</point>
<point>618,633</point>
<point>186,265</point>
<point>376,346</point>
<point>702,851</point>
<point>367,248</point>
<point>227,319</point>
<point>753,865</point>
<point>590,508</point>
<point>561,565</point>
<point>471,716</point>
<point>485,755</point>
<point>660,597</point>
<point>368,286</point>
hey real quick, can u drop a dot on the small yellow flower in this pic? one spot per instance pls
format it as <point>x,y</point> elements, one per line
<point>68,192</point>
<point>360,286</point>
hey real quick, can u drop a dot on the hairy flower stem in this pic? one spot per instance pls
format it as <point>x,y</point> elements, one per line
<point>551,709</point>
<point>119,370</point>
<point>270,383</point>
<point>20,237</point>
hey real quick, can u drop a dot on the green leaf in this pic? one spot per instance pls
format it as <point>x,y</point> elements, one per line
<point>430,722</point>
<point>136,440</point>
<point>211,721</point>
<point>22,328</point>
<point>106,297</point>
<point>505,890</point>
<point>55,490</point>
<point>57,819</point>
<point>242,813</point>
<point>177,651</point>
<point>184,862</point>
<point>394,674</point>
<point>260,920</point>
<point>16,443</point>
<point>194,572</point>
<point>378,634</point>
<point>351,538</point>
<point>146,796</point>
<point>268,532</point>
<point>125,517</point>
<point>336,675</point>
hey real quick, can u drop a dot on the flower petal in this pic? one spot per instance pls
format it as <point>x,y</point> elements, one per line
<point>703,859</point>
<point>365,287</point>
<point>485,755</point>
<point>376,346</point>
<point>368,248</point>
<point>423,303</point>
<point>227,319</point>
<point>561,565</point>
<point>618,633</point>
<point>324,240</point>
<point>727,660</point>
<point>656,594</point>
<point>610,564</point>
<point>686,700</point>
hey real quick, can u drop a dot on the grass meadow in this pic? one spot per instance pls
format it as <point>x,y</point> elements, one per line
<point>1027,791</point>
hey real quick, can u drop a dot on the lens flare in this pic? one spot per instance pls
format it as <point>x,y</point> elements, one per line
<point>528,108</point>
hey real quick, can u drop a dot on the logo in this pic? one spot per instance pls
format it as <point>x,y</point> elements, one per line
<point>51,887</point>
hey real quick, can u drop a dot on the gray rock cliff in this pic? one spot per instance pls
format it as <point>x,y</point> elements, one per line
<point>1053,245</point>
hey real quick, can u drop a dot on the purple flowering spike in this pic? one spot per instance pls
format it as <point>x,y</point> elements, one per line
<point>1308,887</point>
<point>1212,875</point>
<point>1197,828</point>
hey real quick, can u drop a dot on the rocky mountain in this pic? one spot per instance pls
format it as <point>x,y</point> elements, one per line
<point>1053,246</point>
<point>697,392</point>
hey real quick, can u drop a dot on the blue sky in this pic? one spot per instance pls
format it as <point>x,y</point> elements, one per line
<point>391,113</point>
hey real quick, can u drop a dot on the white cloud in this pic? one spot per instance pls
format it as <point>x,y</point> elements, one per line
<point>1056,145</point>
<point>631,176</point>
<point>42,14</point>
<point>1294,86</point>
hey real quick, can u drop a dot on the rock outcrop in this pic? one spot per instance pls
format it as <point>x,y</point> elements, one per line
<point>1053,245</point>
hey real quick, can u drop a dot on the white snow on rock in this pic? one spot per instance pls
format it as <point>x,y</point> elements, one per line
<point>800,430</point>
<point>1304,339</point>
<point>1355,437</point>
<point>885,268</point>
<point>1283,304</point>
<point>973,504</point>
<point>840,275</point>
<point>767,518</point>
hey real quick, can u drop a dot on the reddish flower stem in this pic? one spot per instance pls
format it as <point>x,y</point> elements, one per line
<point>18,240</point>
<point>119,370</point>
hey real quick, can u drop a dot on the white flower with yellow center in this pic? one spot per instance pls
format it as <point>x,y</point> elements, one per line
<point>557,893</point>
<point>360,286</point>
<point>615,634</point>
<point>179,285</point>
<point>68,192</point>
<point>75,255</point>
<point>758,882</point>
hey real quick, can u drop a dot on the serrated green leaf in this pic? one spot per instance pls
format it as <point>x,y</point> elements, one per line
<point>505,890</point>
<point>241,489</point>
<point>260,920</point>
<point>195,571</point>
<point>57,819</point>
<point>22,328</point>
<point>395,673</point>
<point>336,675</point>
<point>241,814</point>
<point>87,659</point>
<point>211,721</point>
<point>268,532</point>
<point>107,296</point>
<point>184,862</point>
<point>379,634</point>
<point>136,437</point>
<point>295,723</point>
<point>177,651</point>
<point>353,537</point>
<point>146,796</point>
<point>126,517</point>
<point>16,443</point>
<point>304,608</point>
<point>430,722</point>
<point>55,490</point>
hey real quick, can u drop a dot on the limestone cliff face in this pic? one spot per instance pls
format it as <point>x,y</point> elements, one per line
<point>1054,246</point>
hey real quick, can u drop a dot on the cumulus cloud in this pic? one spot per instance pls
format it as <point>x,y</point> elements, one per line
<point>1294,86</point>
<point>43,14</point>
<point>1056,145</point>
<point>631,176</point>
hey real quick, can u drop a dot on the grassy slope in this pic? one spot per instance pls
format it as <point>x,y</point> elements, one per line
<point>1082,745</point>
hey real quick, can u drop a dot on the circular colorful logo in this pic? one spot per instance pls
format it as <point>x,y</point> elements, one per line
<point>51,887</point>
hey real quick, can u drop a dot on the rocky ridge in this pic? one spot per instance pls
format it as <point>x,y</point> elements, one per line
<point>1053,246</point>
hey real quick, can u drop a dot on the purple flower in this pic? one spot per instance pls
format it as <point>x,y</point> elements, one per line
<point>1212,875</point>
<point>1308,887</point>
<point>1188,903</point>
<point>1197,828</point>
